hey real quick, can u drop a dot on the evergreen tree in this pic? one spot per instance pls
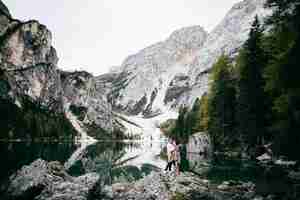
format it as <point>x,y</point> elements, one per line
<point>204,114</point>
<point>195,117</point>
<point>221,103</point>
<point>282,72</point>
<point>251,106</point>
<point>181,134</point>
<point>286,14</point>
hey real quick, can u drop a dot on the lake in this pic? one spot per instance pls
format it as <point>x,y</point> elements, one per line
<point>106,158</point>
<point>129,161</point>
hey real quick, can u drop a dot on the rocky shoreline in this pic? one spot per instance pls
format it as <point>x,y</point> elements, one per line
<point>167,186</point>
<point>42,180</point>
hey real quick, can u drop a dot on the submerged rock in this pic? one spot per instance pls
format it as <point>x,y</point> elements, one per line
<point>264,158</point>
<point>285,163</point>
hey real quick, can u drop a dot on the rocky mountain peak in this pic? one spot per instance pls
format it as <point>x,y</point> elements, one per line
<point>192,36</point>
<point>175,71</point>
<point>146,75</point>
<point>248,4</point>
<point>180,42</point>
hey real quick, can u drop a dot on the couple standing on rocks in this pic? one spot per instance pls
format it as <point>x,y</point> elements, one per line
<point>173,156</point>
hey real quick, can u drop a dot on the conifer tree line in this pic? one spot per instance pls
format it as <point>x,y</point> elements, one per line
<point>254,99</point>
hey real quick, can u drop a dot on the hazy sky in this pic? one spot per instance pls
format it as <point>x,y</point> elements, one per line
<point>96,34</point>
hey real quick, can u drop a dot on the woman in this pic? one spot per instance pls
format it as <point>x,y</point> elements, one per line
<point>170,154</point>
<point>176,159</point>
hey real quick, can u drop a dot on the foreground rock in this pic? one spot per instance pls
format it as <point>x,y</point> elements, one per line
<point>48,181</point>
<point>161,186</point>
<point>43,180</point>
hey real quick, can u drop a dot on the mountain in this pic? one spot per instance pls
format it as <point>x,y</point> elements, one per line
<point>37,100</point>
<point>40,100</point>
<point>140,83</point>
<point>175,72</point>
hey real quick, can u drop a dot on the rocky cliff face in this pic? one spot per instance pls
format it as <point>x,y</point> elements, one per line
<point>83,98</point>
<point>175,72</point>
<point>36,91</point>
<point>28,61</point>
<point>143,78</point>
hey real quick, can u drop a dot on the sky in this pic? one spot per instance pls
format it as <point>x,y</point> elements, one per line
<point>94,35</point>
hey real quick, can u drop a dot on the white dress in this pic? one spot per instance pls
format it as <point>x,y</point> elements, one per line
<point>170,148</point>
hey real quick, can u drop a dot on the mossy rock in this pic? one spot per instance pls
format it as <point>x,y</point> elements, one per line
<point>148,168</point>
<point>178,196</point>
<point>130,173</point>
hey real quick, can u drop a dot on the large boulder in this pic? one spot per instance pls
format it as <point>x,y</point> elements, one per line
<point>168,186</point>
<point>199,143</point>
<point>30,180</point>
<point>76,189</point>
<point>48,180</point>
<point>158,186</point>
